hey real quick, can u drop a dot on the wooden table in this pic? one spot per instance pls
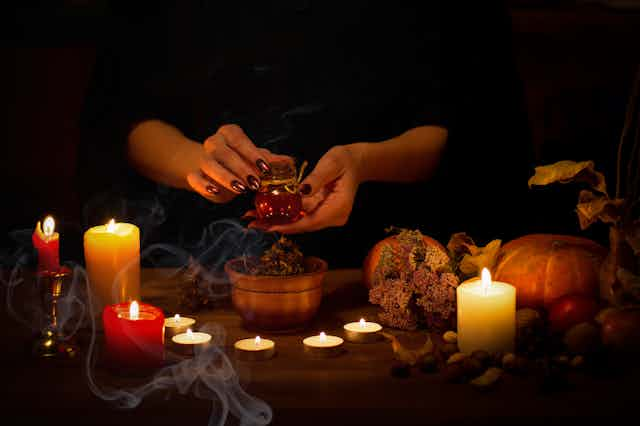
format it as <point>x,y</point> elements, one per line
<point>354,388</point>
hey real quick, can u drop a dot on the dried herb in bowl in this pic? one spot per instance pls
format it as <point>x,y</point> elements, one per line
<point>282,258</point>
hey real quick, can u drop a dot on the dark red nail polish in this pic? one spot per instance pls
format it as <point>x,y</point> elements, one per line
<point>238,187</point>
<point>212,189</point>
<point>305,189</point>
<point>254,183</point>
<point>263,166</point>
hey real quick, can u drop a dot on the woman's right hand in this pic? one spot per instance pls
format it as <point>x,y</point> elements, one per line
<point>230,165</point>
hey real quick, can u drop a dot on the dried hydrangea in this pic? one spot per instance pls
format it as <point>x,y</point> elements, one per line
<point>414,285</point>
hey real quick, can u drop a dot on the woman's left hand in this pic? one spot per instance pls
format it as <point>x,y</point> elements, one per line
<point>328,193</point>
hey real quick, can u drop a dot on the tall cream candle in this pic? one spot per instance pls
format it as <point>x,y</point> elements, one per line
<point>112,256</point>
<point>486,315</point>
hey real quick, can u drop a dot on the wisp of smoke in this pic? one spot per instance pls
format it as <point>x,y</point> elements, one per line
<point>208,375</point>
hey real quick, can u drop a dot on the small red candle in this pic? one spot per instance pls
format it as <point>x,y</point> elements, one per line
<point>47,242</point>
<point>134,335</point>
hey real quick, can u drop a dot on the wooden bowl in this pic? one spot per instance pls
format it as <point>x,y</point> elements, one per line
<point>276,303</point>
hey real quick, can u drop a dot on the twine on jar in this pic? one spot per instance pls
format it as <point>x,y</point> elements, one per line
<point>291,184</point>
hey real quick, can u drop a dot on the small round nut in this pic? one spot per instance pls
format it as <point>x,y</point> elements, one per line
<point>483,356</point>
<point>449,349</point>
<point>450,337</point>
<point>428,364</point>
<point>509,361</point>
<point>454,373</point>
<point>472,367</point>
<point>457,357</point>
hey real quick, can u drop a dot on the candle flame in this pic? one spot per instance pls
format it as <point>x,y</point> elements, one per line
<point>189,333</point>
<point>362,322</point>
<point>134,310</point>
<point>257,341</point>
<point>111,226</point>
<point>176,318</point>
<point>486,280</point>
<point>48,226</point>
<point>323,336</point>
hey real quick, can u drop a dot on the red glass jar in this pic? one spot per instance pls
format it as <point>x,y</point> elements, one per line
<point>278,201</point>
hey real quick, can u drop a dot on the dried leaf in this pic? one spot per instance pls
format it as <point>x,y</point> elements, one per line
<point>410,356</point>
<point>592,207</point>
<point>569,171</point>
<point>460,244</point>
<point>480,257</point>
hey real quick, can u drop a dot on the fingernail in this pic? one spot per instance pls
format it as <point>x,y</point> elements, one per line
<point>254,183</point>
<point>212,189</point>
<point>263,166</point>
<point>305,189</point>
<point>238,186</point>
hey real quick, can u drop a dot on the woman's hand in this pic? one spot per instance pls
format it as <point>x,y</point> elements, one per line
<point>230,164</point>
<point>328,191</point>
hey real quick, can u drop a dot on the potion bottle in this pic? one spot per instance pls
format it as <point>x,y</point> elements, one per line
<point>278,201</point>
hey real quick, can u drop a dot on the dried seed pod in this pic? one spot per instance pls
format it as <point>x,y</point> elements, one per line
<point>488,379</point>
<point>450,337</point>
<point>457,357</point>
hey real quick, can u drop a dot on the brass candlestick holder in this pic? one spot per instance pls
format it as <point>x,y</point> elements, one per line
<point>50,342</point>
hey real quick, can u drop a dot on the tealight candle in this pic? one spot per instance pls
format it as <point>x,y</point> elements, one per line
<point>362,331</point>
<point>186,342</point>
<point>256,349</point>
<point>323,346</point>
<point>486,315</point>
<point>177,325</point>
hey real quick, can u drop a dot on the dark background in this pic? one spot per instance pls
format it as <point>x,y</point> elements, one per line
<point>575,61</point>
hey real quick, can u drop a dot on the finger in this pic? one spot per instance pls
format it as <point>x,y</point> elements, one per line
<point>208,188</point>
<point>326,171</point>
<point>250,214</point>
<point>216,171</point>
<point>240,142</point>
<point>238,166</point>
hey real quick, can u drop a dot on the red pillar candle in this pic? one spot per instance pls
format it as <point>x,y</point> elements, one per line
<point>134,335</point>
<point>47,242</point>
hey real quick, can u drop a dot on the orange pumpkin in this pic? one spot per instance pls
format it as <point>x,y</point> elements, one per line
<point>373,257</point>
<point>544,267</point>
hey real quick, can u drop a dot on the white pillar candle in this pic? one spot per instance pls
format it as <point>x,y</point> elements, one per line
<point>322,345</point>
<point>177,324</point>
<point>255,349</point>
<point>486,315</point>
<point>186,342</point>
<point>362,331</point>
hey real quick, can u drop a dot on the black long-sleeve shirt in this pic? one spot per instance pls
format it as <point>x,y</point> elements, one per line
<point>300,77</point>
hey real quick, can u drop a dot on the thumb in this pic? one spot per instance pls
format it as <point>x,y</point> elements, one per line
<point>326,171</point>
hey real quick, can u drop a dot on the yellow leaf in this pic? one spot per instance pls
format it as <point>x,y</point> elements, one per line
<point>569,171</point>
<point>481,257</point>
